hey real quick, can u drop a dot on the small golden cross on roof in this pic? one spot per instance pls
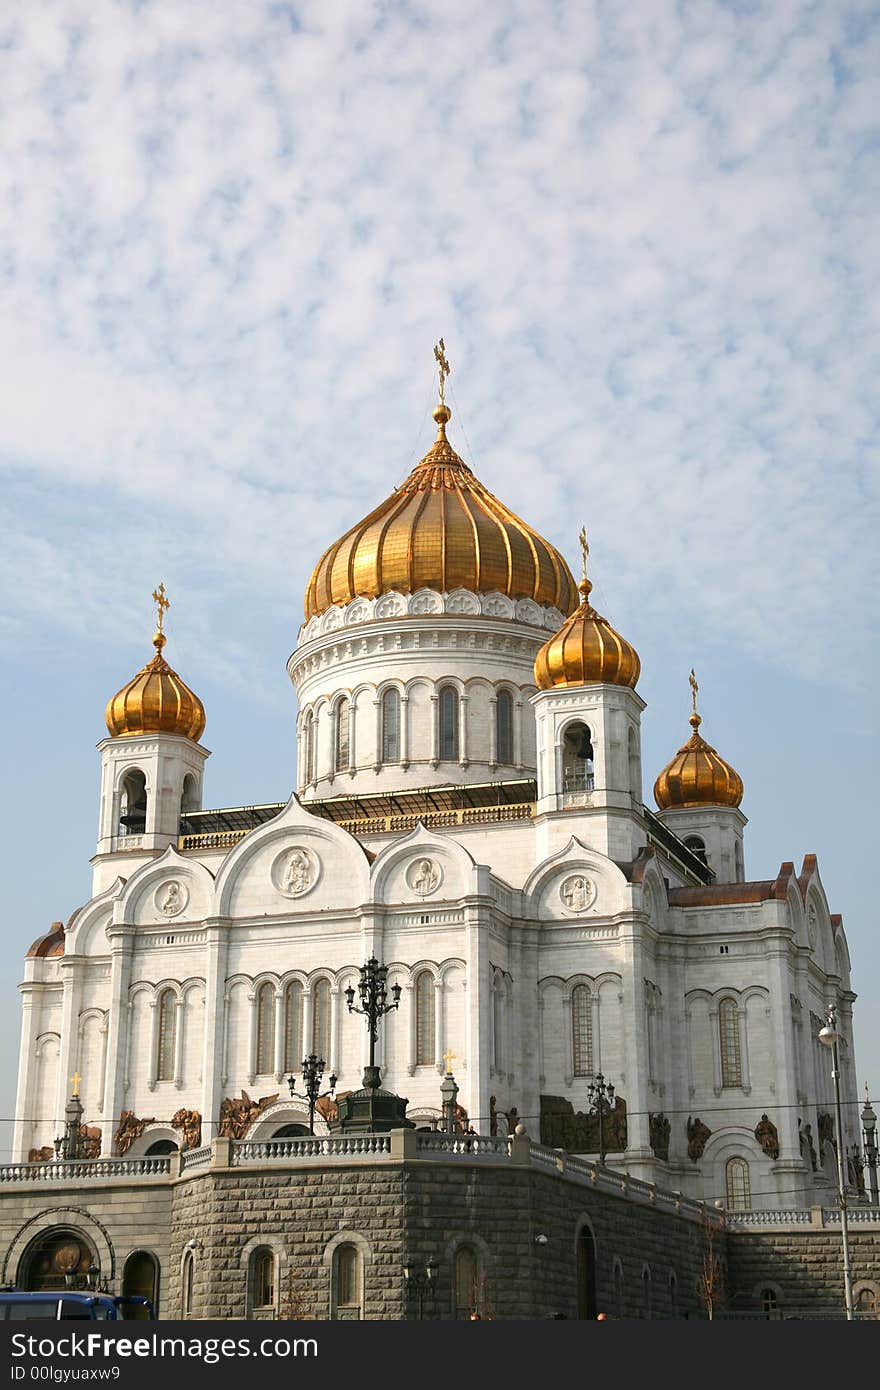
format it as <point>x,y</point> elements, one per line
<point>162,603</point>
<point>448,1057</point>
<point>585,549</point>
<point>445,369</point>
<point>74,1081</point>
<point>692,681</point>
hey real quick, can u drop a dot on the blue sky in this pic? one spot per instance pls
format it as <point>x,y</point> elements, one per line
<point>231,235</point>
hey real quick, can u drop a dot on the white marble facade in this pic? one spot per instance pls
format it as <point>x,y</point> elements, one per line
<point>538,948</point>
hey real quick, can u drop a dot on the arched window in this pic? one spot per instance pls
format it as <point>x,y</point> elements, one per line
<point>504,728</point>
<point>448,716</point>
<point>586,1274</point>
<point>189,795</point>
<point>673,1295</point>
<point>866,1302</point>
<point>321,1018</point>
<point>635,766</point>
<point>293,1026</point>
<point>577,759</point>
<point>391,726</point>
<point>167,1029</point>
<point>617,1280</point>
<point>309,748</point>
<point>498,1025</point>
<point>343,724</point>
<point>770,1303</point>
<point>262,1282</point>
<point>52,1256</point>
<point>133,803</point>
<point>466,1282</point>
<point>347,1283</point>
<point>187,1280</point>
<point>265,1029</point>
<point>160,1148</point>
<point>697,846</point>
<point>582,1031</point>
<point>739,1191</point>
<point>731,1055</point>
<point>646,1292</point>
<point>424,1019</point>
<point>140,1279</point>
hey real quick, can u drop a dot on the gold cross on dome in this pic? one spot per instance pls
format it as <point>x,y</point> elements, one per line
<point>692,681</point>
<point>74,1081</point>
<point>585,549</point>
<point>448,1057</point>
<point>162,603</point>
<point>445,369</point>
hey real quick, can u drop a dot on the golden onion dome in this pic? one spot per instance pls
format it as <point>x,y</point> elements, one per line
<point>697,775</point>
<point>441,529</point>
<point>156,700</point>
<point>586,650</point>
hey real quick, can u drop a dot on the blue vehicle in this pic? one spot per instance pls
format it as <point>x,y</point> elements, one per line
<point>66,1305</point>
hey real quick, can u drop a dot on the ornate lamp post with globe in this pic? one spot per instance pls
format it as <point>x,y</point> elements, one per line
<point>601,1094</point>
<point>312,1075</point>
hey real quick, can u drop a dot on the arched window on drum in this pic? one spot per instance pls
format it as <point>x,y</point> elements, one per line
<point>504,728</point>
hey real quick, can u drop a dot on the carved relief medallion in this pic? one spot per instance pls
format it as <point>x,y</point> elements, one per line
<point>296,871</point>
<point>577,892</point>
<point>423,877</point>
<point>171,898</point>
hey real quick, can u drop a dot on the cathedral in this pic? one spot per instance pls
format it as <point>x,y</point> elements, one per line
<point>470,813</point>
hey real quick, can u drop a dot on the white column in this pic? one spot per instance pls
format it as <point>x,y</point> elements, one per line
<point>404,731</point>
<point>435,731</point>
<point>462,731</point>
<point>153,1064</point>
<point>68,1061</point>
<point>252,1037</point>
<point>179,1040</point>
<point>782,1035</point>
<point>493,730</point>
<point>439,1024</point>
<point>409,998</point>
<point>26,1104</point>
<point>377,761</point>
<point>279,1033</point>
<point>352,736</point>
<point>635,1049</point>
<point>121,943</point>
<point>307,1021</point>
<point>478,1015</point>
<point>335,1025</point>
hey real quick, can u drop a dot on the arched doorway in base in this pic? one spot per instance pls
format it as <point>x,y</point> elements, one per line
<point>140,1277</point>
<point>58,1258</point>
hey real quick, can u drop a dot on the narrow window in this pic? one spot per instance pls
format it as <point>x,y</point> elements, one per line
<point>167,1029</point>
<point>321,1018</point>
<point>673,1295</point>
<point>265,1029</point>
<point>618,1289</point>
<point>466,1282</point>
<point>448,715</point>
<point>347,1274</point>
<point>187,1281</point>
<point>586,1274</point>
<point>263,1280</point>
<point>343,722</point>
<point>739,1192</point>
<point>646,1292</point>
<point>309,748</point>
<point>293,1026</point>
<point>582,1031</point>
<point>504,728</point>
<point>424,1019</point>
<point>391,727</point>
<point>731,1059</point>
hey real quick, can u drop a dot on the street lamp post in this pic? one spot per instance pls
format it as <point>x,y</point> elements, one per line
<point>373,990</point>
<point>312,1074</point>
<point>601,1093</point>
<point>419,1281</point>
<point>829,1036</point>
<point>869,1131</point>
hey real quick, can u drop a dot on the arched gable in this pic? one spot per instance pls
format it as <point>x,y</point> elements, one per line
<point>86,935</point>
<point>556,888</point>
<point>424,869</point>
<point>169,890</point>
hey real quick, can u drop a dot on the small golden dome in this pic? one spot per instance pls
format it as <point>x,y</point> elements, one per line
<point>441,529</point>
<point>697,775</point>
<point>156,700</point>
<point>586,651</point>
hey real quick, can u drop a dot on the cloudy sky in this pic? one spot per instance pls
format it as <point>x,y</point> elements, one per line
<point>231,235</point>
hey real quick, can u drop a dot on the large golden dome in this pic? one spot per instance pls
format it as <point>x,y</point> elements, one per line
<point>697,775</point>
<point>586,650</point>
<point>156,700</point>
<point>441,529</point>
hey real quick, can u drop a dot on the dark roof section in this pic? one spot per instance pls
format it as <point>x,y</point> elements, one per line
<point>722,894</point>
<point>51,944</point>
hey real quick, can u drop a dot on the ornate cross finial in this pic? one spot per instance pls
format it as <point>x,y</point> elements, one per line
<point>585,549</point>
<point>162,603</point>
<point>448,1057</point>
<point>74,1081</point>
<point>692,681</point>
<point>445,369</point>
